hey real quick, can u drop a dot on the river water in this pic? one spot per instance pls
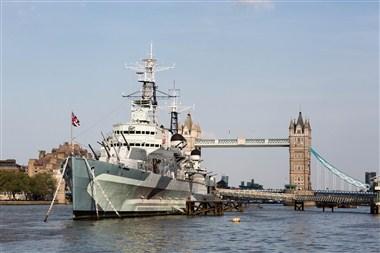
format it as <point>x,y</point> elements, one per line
<point>269,228</point>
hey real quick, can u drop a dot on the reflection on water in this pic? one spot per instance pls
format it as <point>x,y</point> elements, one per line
<point>269,229</point>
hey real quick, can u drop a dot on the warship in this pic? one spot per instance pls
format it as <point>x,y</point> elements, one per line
<point>142,168</point>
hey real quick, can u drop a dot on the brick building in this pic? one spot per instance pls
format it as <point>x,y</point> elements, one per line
<point>52,162</point>
<point>11,165</point>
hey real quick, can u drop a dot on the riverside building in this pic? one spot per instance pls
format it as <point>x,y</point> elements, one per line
<point>51,163</point>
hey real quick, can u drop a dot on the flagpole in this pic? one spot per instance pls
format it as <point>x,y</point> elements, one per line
<point>71,133</point>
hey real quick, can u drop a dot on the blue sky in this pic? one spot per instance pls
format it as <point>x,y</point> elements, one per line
<point>247,67</point>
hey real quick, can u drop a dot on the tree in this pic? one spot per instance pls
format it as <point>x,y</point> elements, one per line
<point>38,187</point>
<point>290,186</point>
<point>42,186</point>
<point>14,182</point>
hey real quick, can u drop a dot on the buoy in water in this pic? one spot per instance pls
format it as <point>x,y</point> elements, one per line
<point>236,219</point>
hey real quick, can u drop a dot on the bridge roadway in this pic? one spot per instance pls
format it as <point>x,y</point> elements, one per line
<point>242,142</point>
<point>330,197</point>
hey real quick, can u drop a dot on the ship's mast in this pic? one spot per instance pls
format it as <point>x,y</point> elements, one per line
<point>174,93</point>
<point>146,75</point>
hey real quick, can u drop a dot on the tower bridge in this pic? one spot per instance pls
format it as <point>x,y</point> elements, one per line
<point>300,152</point>
<point>298,142</point>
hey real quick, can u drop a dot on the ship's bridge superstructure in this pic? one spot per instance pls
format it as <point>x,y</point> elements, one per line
<point>142,135</point>
<point>148,137</point>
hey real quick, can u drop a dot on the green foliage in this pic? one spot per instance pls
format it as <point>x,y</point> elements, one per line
<point>42,186</point>
<point>38,187</point>
<point>290,186</point>
<point>14,182</point>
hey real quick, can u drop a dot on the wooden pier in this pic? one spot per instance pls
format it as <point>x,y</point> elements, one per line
<point>212,207</point>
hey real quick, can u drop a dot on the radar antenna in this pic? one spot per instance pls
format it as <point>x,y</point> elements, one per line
<point>146,75</point>
<point>146,98</point>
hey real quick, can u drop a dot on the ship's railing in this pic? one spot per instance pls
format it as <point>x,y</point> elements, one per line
<point>318,196</point>
<point>338,192</point>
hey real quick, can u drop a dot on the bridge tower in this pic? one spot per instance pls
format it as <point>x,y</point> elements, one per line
<point>191,131</point>
<point>299,153</point>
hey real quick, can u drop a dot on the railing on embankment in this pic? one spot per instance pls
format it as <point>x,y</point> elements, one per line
<point>254,194</point>
<point>330,198</point>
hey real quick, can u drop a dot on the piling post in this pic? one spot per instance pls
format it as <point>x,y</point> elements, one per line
<point>374,209</point>
<point>299,205</point>
<point>219,208</point>
<point>189,207</point>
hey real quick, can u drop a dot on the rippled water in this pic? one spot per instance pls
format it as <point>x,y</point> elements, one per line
<point>272,228</point>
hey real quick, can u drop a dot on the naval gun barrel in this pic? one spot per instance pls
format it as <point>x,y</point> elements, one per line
<point>93,152</point>
<point>128,147</point>
<point>116,153</point>
<point>105,148</point>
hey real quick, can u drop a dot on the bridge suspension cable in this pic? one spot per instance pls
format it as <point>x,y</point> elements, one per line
<point>337,172</point>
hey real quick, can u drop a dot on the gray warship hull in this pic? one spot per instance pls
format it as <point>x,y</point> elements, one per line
<point>101,189</point>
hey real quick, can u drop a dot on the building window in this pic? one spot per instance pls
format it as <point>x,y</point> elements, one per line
<point>138,132</point>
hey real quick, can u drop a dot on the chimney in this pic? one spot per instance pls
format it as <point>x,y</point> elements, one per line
<point>41,154</point>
